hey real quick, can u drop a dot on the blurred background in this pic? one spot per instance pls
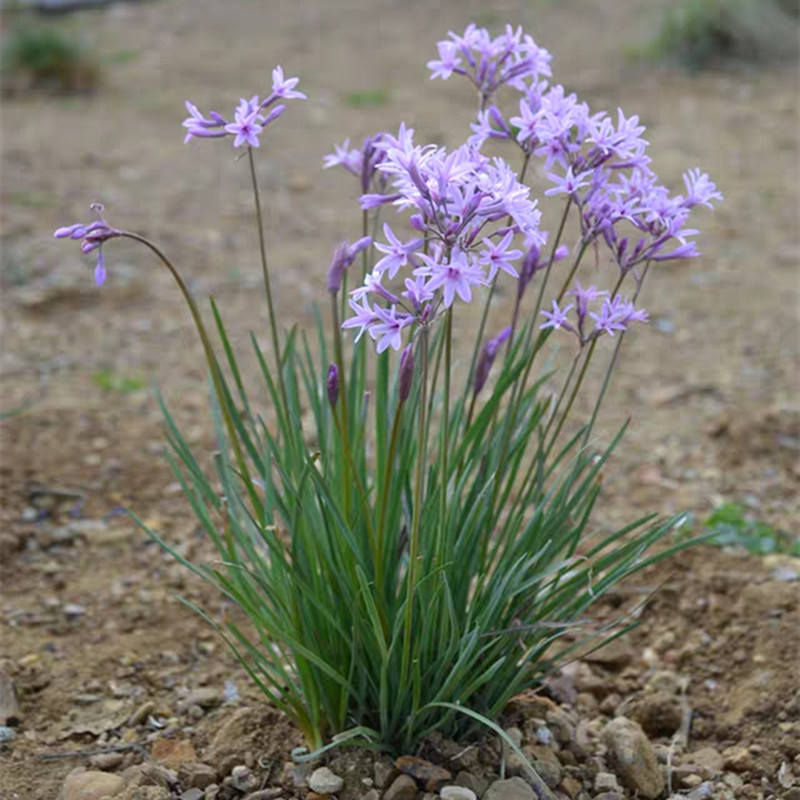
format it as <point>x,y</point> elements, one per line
<point>93,99</point>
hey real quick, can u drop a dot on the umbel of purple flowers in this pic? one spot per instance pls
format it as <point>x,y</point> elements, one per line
<point>466,210</point>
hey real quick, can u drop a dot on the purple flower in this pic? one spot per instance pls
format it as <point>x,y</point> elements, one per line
<point>557,318</point>
<point>448,61</point>
<point>246,126</point>
<point>585,296</point>
<point>454,276</point>
<point>498,256</point>
<point>372,285</point>
<point>490,125</point>
<point>700,189</point>
<point>284,87</point>
<point>93,235</point>
<point>569,184</point>
<point>397,253</point>
<point>198,125</point>
<point>365,316</point>
<point>344,157</point>
<point>386,331</point>
<point>100,269</point>
<point>615,315</point>
<point>417,291</point>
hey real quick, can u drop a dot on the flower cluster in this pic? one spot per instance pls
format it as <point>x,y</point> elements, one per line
<point>615,314</point>
<point>600,163</point>
<point>467,208</point>
<point>510,59</point>
<point>248,121</point>
<point>93,235</point>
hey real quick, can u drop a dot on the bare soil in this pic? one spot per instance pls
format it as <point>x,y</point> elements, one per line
<point>711,385</point>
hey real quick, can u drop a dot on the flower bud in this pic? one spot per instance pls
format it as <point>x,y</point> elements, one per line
<point>338,266</point>
<point>486,358</point>
<point>406,376</point>
<point>333,385</point>
<point>417,222</point>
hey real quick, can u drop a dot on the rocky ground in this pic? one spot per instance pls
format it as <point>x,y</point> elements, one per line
<point>101,669</point>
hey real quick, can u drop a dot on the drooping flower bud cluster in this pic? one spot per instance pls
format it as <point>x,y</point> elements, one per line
<point>93,235</point>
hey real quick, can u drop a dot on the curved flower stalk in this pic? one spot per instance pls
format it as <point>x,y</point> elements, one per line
<point>417,549</point>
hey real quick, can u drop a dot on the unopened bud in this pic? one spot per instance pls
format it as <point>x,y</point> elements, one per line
<point>486,359</point>
<point>406,376</point>
<point>333,385</point>
<point>338,266</point>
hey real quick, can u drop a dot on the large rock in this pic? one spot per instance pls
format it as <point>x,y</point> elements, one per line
<point>632,757</point>
<point>91,786</point>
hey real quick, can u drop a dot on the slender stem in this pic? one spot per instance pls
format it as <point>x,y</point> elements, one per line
<point>211,358</point>
<point>445,429</point>
<point>573,395</point>
<point>525,161</point>
<point>343,401</point>
<point>267,285</point>
<point>385,499</point>
<point>417,512</point>
<point>607,377</point>
<point>485,314</point>
<point>364,252</point>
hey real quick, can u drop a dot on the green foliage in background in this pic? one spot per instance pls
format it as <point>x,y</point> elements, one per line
<point>111,381</point>
<point>730,525</point>
<point>700,34</point>
<point>38,55</point>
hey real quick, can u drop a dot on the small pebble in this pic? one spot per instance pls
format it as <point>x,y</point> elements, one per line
<point>7,734</point>
<point>324,781</point>
<point>457,793</point>
<point>242,778</point>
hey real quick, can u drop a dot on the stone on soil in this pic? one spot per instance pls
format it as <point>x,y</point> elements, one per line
<point>546,764</point>
<point>91,786</point>
<point>403,787</point>
<point>457,793</point>
<point>241,778</point>
<point>632,757</point>
<point>195,774</point>
<point>429,775</point>
<point>324,781</point>
<point>470,781</point>
<point>659,713</point>
<point>512,789</point>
